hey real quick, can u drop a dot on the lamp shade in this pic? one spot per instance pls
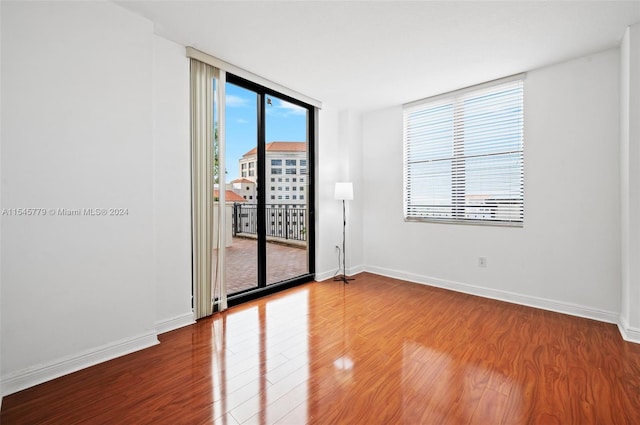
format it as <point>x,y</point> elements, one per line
<point>344,191</point>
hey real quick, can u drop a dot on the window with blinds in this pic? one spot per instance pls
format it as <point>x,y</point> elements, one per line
<point>463,156</point>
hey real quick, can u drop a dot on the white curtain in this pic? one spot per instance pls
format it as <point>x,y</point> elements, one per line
<point>208,254</point>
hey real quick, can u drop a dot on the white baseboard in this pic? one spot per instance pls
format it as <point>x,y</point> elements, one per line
<point>355,270</point>
<point>32,376</point>
<point>174,323</point>
<point>629,333</point>
<point>330,274</point>
<point>324,275</point>
<point>496,294</point>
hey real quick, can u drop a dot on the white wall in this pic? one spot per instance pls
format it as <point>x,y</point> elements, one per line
<point>350,128</point>
<point>172,185</point>
<point>331,166</point>
<point>567,255</point>
<point>339,158</point>
<point>77,133</point>
<point>630,182</point>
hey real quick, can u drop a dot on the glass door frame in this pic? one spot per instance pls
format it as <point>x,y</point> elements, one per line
<point>262,288</point>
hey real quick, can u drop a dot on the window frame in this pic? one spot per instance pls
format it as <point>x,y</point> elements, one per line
<point>459,209</point>
<point>263,169</point>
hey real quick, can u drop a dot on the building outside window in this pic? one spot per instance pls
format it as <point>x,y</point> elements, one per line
<point>279,155</point>
<point>245,188</point>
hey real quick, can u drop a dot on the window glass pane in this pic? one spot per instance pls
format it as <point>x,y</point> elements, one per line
<point>286,141</point>
<point>241,154</point>
<point>463,156</point>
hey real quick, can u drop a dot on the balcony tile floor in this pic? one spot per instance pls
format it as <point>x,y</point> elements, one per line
<point>283,262</point>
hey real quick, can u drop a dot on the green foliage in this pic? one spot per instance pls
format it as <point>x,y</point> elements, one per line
<point>216,154</point>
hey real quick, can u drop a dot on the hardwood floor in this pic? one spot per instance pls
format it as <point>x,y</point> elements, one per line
<point>375,351</point>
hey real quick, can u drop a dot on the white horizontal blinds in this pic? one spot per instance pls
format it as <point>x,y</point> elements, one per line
<point>464,156</point>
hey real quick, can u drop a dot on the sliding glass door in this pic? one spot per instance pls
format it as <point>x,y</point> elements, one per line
<point>286,176</point>
<point>269,170</point>
<point>242,188</point>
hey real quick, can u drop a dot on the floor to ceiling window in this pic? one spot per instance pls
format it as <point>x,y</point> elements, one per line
<point>269,190</point>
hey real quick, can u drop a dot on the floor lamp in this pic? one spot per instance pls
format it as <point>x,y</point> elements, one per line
<point>344,192</point>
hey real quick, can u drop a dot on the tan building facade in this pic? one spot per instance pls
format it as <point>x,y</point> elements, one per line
<point>286,173</point>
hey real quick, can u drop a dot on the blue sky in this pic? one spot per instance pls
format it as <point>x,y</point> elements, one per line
<point>285,122</point>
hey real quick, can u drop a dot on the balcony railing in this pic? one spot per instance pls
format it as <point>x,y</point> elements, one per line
<point>281,222</point>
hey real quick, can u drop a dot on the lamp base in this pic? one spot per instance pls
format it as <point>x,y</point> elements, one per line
<point>343,278</point>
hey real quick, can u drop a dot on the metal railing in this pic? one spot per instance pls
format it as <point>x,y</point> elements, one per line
<point>281,222</point>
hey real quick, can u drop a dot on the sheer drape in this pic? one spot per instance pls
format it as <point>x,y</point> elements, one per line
<point>208,257</point>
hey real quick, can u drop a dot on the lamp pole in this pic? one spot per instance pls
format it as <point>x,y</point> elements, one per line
<point>343,192</point>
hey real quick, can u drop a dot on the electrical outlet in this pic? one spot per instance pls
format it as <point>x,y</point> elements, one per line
<point>482,261</point>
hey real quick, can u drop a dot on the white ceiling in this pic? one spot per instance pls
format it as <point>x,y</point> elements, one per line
<point>372,54</point>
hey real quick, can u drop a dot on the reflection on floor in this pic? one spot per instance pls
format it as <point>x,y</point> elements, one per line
<point>375,351</point>
<point>283,262</point>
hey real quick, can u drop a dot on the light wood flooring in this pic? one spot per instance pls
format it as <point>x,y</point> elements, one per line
<point>375,351</point>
